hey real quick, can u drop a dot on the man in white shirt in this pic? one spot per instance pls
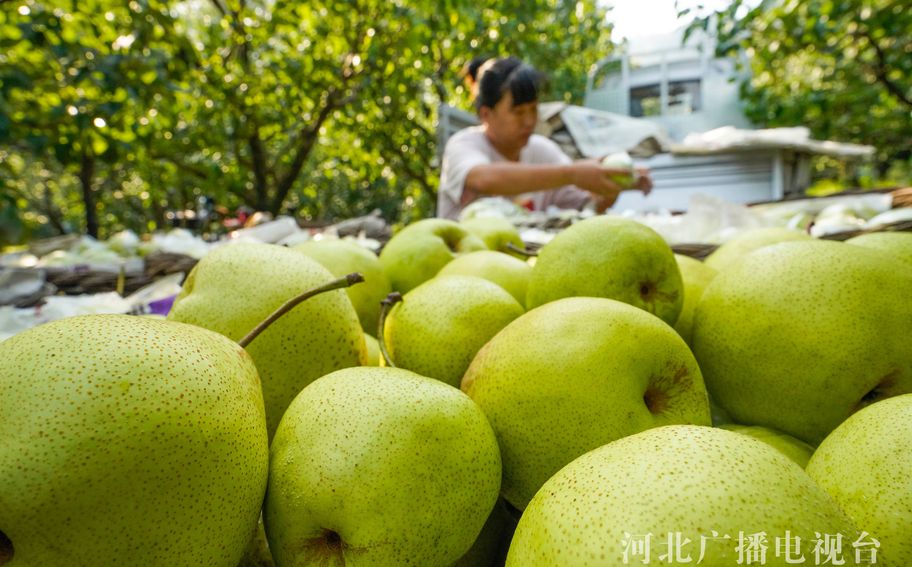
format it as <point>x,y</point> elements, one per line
<point>503,157</point>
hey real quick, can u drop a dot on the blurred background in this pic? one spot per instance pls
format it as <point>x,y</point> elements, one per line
<point>148,115</point>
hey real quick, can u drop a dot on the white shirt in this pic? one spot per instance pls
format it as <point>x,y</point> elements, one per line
<point>470,148</point>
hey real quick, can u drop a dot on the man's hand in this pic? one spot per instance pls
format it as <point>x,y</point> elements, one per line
<point>588,174</point>
<point>644,181</point>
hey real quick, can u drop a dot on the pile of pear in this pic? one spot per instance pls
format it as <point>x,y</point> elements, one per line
<point>471,403</point>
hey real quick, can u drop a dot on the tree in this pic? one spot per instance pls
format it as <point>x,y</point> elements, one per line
<point>72,82</point>
<point>841,67</point>
<point>325,108</point>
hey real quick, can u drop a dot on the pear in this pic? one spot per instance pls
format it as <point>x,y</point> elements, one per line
<point>577,373</point>
<point>497,233</point>
<point>795,449</point>
<point>696,276</point>
<point>343,257</point>
<point>506,271</point>
<point>609,257</point>
<point>701,489</point>
<point>373,351</point>
<point>748,241</point>
<point>897,243</point>
<point>417,252</point>
<point>623,162</point>
<point>439,326</point>
<point>490,548</point>
<point>799,335</point>
<point>379,466</point>
<point>236,286</point>
<point>128,441</point>
<point>865,465</point>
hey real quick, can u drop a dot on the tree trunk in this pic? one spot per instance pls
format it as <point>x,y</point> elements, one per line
<point>86,173</point>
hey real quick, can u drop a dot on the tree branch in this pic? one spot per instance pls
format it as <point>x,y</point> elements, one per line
<point>308,139</point>
<point>880,71</point>
<point>258,155</point>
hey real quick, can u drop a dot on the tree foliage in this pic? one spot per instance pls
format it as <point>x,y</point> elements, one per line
<point>841,67</point>
<point>323,108</point>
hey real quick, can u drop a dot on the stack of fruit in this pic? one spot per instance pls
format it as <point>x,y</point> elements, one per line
<point>604,403</point>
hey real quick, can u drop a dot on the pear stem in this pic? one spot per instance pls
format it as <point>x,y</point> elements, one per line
<point>514,248</point>
<point>385,307</point>
<point>121,284</point>
<point>340,283</point>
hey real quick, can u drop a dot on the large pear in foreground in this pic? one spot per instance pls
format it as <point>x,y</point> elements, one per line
<point>128,441</point>
<point>613,258</point>
<point>379,466</point>
<point>745,242</point>
<point>237,286</point>
<point>866,466</point>
<point>797,336</point>
<point>899,244</point>
<point>577,373</point>
<point>707,491</point>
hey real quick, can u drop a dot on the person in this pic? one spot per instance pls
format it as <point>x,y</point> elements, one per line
<point>502,156</point>
<point>471,71</point>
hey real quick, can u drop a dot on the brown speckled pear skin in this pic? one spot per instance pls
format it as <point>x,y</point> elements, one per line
<point>417,252</point>
<point>577,373</point>
<point>508,272</point>
<point>440,325</point>
<point>129,441</point>
<point>343,257</point>
<point>381,466</point>
<point>751,240</point>
<point>865,464</point>
<point>678,479</point>
<point>237,286</point>
<point>797,336</point>
<point>899,244</point>
<point>609,257</point>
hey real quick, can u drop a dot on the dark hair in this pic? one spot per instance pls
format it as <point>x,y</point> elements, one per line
<point>522,80</point>
<point>471,68</point>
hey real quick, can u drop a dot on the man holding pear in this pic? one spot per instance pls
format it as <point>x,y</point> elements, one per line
<point>503,156</point>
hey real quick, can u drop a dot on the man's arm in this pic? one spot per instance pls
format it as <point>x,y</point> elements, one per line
<point>517,178</point>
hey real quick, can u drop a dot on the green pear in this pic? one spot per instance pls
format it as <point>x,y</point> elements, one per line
<point>506,271</point>
<point>748,241</point>
<point>577,373</point>
<point>379,466</point>
<point>497,233</point>
<point>865,465</point>
<point>343,257</point>
<point>696,276</point>
<point>795,449</point>
<point>897,243</point>
<point>707,491</point>
<point>417,252</point>
<point>609,257</point>
<point>489,549</point>
<point>621,161</point>
<point>257,552</point>
<point>799,335</point>
<point>439,326</point>
<point>373,351</point>
<point>128,441</point>
<point>236,286</point>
